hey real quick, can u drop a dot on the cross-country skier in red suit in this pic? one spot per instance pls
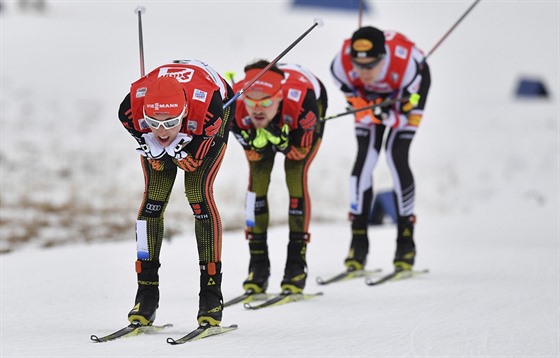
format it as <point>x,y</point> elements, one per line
<point>176,115</point>
<point>372,66</point>
<point>279,114</point>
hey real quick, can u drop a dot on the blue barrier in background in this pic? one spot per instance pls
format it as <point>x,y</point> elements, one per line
<point>530,87</point>
<point>383,206</point>
<point>346,5</point>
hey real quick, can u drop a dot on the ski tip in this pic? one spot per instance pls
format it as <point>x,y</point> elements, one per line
<point>171,341</point>
<point>94,338</point>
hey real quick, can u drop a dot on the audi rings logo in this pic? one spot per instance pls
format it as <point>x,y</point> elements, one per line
<point>153,207</point>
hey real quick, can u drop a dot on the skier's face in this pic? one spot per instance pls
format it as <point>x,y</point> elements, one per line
<point>261,107</point>
<point>368,68</point>
<point>163,134</point>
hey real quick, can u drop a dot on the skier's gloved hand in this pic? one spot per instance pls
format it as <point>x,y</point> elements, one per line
<point>255,138</point>
<point>150,147</point>
<point>176,149</point>
<point>382,113</point>
<point>278,137</point>
<point>366,116</point>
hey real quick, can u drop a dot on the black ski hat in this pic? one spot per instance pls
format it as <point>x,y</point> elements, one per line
<point>367,42</point>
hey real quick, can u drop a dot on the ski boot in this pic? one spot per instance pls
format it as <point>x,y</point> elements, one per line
<point>295,272</point>
<point>259,264</point>
<point>406,250</point>
<point>211,302</point>
<point>147,296</point>
<point>357,255</point>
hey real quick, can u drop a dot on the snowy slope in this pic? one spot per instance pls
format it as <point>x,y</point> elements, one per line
<point>486,166</point>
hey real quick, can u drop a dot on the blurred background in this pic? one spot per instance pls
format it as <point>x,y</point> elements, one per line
<point>69,171</point>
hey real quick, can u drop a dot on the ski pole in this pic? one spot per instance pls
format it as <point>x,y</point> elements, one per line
<point>140,10</point>
<point>387,102</point>
<point>414,97</point>
<point>451,29</point>
<point>360,13</point>
<point>316,22</point>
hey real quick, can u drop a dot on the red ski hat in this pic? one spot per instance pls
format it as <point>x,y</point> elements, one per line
<point>165,96</point>
<point>269,83</point>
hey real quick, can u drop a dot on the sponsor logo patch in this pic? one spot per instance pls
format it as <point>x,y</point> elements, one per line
<point>143,124</point>
<point>401,52</point>
<point>296,207</point>
<point>199,211</point>
<point>294,94</point>
<point>157,106</point>
<point>152,208</point>
<point>288,119</point>
<point>261,205</point>
<point>141,92</point>
<point>192,125</point>
<point>199,95</point>
<point>362,45</point>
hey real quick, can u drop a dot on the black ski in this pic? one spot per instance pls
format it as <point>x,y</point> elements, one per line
<point>394,276</point>
<point>282,298</point>
<point>202,332</point>
<point>347,275</point>
<point>132,329</point>
<point>248,296</point>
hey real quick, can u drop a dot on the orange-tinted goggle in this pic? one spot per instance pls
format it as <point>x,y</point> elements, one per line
<point>263,103</point>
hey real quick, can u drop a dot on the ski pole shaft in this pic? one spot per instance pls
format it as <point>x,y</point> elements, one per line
<point>451,29</point>
<point>248,84</point>
<point>387,102</point>
<point>140,10</point>
<point>360,12</point>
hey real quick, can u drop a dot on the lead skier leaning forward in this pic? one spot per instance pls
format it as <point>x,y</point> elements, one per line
<point>373,66</point>
<point>279,113</point>
<point>176,115</point>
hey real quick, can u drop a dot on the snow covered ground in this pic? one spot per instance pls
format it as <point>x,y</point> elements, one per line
<point>486,164</point>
